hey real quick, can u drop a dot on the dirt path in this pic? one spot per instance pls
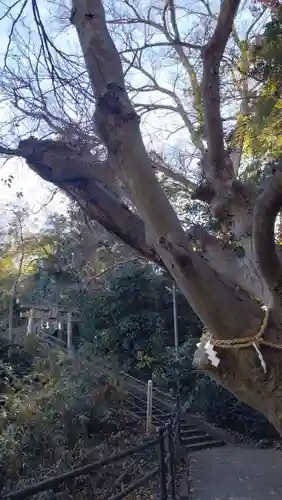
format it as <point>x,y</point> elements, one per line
<point>236,473</point>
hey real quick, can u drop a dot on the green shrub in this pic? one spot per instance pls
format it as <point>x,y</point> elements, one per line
<point>132,319</point>
<point>46,423</point>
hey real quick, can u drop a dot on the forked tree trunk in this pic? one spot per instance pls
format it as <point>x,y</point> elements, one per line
<point>223,311</point>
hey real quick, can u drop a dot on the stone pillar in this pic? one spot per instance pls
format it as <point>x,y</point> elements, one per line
<point>30,323</point>
<point>69,332</point>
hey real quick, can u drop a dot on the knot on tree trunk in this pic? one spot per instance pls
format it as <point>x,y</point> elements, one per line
<point>113,111</point>
<point>177,246</point>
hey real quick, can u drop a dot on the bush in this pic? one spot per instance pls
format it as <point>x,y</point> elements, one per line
<point>132,318</point>
<point>59,409</point>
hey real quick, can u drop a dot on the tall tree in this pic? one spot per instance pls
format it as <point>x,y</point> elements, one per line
<point>106,167</point>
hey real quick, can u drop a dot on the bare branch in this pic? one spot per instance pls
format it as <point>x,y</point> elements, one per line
<point>177,46</point>
<point>206,3</point>
<point>161,44</point>
<point>159,164</point>
<point>14,23</point>
<point>179,107</point>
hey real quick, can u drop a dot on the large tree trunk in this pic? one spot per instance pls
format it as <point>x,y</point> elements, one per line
<point>222,289</point>
<point>225,314</point>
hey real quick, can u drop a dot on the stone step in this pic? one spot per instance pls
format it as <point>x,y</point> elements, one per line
<point>139,414</point>
<point>204,445</point>
<point>186,440</point>
<point>143,409</point>
<point>193,438</point>
<point>161,416</point>
<point>192,431</point>
<point>156,412</point>
<point>135,406</point>
<point>143,402</point>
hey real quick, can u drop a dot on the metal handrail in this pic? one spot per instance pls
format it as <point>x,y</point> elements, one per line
<point>78,471</point>
<point>140,382</point>
<point>166,466</point>
<point>139,399</point>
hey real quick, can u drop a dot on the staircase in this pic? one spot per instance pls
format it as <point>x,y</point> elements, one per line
<point>193,437</point>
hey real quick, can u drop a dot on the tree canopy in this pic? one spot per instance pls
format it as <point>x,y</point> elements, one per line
<point>141,112</point>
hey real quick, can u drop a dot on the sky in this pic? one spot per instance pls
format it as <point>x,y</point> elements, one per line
<point>36,192</point>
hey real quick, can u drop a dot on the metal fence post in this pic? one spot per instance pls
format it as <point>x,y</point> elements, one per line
<point>178,416</point>
<point>149,407</point>
<point>163,489</point>
<point>69,332</point>
<point>171,460</point>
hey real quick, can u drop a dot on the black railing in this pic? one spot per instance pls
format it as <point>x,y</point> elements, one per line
<point>164,442</point>
<point>175,419</point>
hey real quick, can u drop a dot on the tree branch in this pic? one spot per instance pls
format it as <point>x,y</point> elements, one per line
<point>224,260</point>
<point>159,164</point>
<point>173,37</point>
<point>216,45</point>
<point>86,182</point>
<point>266,210</point>
<point>159,44</point>
<point>179,108</point>
<point>9,151</point>
<point>64,162</point>
<point>218,170</point>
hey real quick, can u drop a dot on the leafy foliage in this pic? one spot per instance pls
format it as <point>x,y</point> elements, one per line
<point>133,319</point>
<point>50,412</point>
<point>264,125</point>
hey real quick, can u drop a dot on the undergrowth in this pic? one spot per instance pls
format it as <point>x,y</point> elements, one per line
<point>53,412</point>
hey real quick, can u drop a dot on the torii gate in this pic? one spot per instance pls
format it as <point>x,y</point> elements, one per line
<point>36,315</point>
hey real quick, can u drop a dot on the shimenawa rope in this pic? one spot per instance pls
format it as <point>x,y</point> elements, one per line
<point>252,341</point>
